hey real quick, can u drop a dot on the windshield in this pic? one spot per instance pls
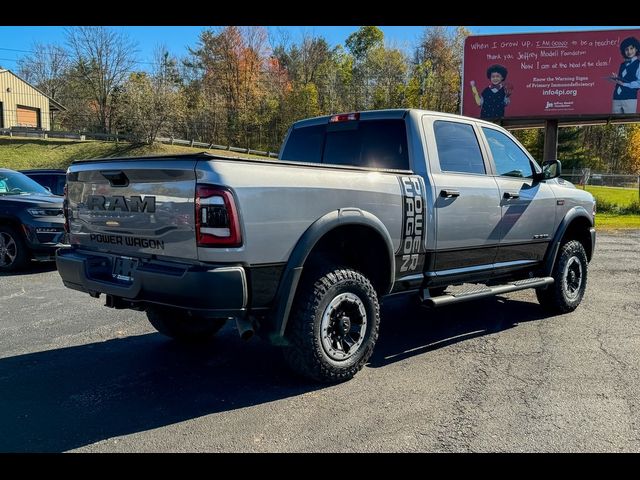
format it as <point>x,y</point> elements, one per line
<point>15,183</point>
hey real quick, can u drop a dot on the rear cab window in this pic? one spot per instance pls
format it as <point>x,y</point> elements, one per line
<point>376,143</point>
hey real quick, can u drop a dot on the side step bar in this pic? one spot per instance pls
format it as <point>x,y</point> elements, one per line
<point>484,291</point>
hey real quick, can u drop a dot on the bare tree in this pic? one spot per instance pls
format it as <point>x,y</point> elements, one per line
<point>103,58</point>
<point>45,68</point>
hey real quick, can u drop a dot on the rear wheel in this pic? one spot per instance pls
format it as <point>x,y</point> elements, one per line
<point>334,326</point>
<point>570,280</point>
<point>13,251</point>
<point>178,324</point>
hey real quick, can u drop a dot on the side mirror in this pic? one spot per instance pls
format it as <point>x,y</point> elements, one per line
<point>550,169</point>
<point>48,189</point>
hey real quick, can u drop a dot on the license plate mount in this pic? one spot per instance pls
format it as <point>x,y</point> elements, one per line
<point>124,268</point>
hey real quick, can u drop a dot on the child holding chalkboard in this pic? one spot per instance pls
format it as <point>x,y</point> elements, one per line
<point>494,97</point>
<point>625,93</point>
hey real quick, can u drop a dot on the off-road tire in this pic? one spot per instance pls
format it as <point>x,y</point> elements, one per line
<point>13,250</point>
<point>570,280</point>
<point>181,326</point>
<point>313,355</point>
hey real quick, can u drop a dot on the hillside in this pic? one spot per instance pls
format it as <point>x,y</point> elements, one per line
<point>23,153</point>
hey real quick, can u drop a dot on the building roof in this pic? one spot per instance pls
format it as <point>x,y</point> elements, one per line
<point>57,105</point>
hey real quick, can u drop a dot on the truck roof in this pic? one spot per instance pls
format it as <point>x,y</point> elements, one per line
<point>384,114</point>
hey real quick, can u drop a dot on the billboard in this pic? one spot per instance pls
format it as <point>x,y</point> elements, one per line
<point>552,75</point>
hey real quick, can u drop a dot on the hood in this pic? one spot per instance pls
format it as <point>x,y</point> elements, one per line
<point>36,200</point>
<point>562,182</point>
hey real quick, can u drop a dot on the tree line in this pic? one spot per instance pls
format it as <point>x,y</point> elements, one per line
<point>238,86</point>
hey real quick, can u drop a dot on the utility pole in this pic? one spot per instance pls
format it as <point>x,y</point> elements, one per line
<point>550,151</point>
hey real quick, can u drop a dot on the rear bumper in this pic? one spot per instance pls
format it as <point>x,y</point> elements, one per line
<point>214,289</point>
<point>592,231</point>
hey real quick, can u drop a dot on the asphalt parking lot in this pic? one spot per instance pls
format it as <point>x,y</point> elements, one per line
<point>497,375</point>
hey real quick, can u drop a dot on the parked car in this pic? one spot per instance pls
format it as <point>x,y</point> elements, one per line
<point>52,179</point>
<point>31,221</point>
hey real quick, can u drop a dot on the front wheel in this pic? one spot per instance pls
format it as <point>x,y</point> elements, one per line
<point>179,325</point>
<point>13,251</point>
<point>570,280</point>
<point>333,326</point>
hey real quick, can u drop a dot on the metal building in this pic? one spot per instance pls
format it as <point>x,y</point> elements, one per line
<point>23,105</point>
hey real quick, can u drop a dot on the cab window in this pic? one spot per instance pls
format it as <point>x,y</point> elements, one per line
<point>508,157</point>
<point>458,148</point>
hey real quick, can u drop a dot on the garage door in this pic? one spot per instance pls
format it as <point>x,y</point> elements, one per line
<point>28,117</point>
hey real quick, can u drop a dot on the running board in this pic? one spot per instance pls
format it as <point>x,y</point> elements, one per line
<point>483,291</point>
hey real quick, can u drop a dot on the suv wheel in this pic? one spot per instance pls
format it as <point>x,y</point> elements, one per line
<point>13,251</point>
<point>334,326</point>
<point>570,275</point>
<point>179,325</point>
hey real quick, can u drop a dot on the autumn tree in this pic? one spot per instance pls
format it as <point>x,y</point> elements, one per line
<point>151,102</point>
<point>360,44</point>
<point>314,87</point>
<point>231,64</point>
<point>633,150</point>
<point>389,71</point>
<point>606,145</point>
<point>436,79</point>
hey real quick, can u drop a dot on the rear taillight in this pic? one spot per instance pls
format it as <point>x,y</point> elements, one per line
<point>345,117</point>
<point>65,209</point>
<point>217,223</point>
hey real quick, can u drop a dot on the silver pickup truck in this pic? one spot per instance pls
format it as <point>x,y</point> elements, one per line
<point>302,249</point>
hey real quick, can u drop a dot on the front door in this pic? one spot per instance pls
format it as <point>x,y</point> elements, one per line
<point>528,206</point>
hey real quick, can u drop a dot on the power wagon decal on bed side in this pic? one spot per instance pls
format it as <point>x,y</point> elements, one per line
<point>410,256</point>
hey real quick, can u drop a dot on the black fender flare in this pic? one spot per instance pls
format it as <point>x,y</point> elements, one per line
<point>13,221</point>
<point>318,229</point>
<point>554,245</point>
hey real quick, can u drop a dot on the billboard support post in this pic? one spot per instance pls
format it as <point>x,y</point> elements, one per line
<point>550,151</point>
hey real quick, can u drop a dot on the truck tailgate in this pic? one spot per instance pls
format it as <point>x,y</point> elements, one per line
<point>134,207</point>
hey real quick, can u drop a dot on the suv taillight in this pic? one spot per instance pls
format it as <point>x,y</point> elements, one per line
<point>65,210</point>
<point>217,223</point>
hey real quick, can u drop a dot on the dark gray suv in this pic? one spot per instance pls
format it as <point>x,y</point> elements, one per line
<point>31,221</point>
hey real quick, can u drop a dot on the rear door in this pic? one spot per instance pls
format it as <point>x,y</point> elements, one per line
<point>137,208</point>
<point>467,206</point>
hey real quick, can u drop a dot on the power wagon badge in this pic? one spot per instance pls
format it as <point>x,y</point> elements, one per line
<point>410,257</point>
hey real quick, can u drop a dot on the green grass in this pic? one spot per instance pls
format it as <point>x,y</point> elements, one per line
<point>615,195</point>
<point>611,221</point>
<point>23,153</point>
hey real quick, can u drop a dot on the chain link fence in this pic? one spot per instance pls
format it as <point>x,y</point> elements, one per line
<point>587,177</point>
<point>616,193</point>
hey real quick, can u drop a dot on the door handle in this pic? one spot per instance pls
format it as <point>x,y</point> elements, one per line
<point>509,195</point>
<point>449,193</point>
